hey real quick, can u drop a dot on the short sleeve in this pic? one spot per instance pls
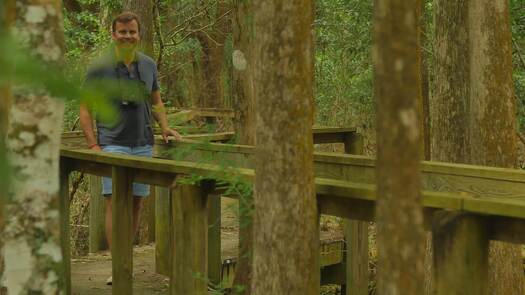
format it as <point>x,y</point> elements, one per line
<point>155,83</point>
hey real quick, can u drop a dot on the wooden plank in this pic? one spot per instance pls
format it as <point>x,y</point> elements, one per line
<point>97,215</point>
<point>64,227</point>
<point>329,187</point>
<point>469,179</point>
<point>163,230</point>
<point>214,239</point>
<point>122,235</point>
<point>151,216</point>
<point>190,233</point>
<point>460,243</point>
<point>356,235</point>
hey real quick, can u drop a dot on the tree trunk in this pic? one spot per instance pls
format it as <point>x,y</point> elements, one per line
<point>400,234</point>
<point>244,124</point>
<point>7,10</point>
<point>144,10</point>
<point>32,249</point>
<point>474,108</point>
<point>492,123</point>
<point>286,217</point>
<point>212,58</point>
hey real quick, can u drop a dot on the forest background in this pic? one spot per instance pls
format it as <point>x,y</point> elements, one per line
<point>343,65</point>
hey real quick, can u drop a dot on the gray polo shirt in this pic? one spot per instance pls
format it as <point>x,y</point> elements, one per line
<point>132,102</point>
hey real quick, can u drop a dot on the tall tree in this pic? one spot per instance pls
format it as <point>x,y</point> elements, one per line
<point>400,235</point>
<point>212,43</point>
<point>244,124</point>
<point>144,10</point>
<point>32,250</point>
<point>6,18</point>
<point>284,197</point>
<point>473,106</point>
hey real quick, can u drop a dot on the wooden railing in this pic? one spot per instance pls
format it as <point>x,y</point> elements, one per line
<point>491,200</point>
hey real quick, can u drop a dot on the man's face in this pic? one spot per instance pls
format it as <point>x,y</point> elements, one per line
<point>126,35</point>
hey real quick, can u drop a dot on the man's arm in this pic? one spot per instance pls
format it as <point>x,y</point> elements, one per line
<point>86,123</point>
<point>159,113</point>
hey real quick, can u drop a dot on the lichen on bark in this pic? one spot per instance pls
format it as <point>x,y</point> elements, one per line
<point>32,232</point>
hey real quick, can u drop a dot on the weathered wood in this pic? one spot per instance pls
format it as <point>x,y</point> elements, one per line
<point>510,206</point>
<point>122,235</point>
<point>163,230</point>
<point>336,197</point>
<point>97,215</point>
<point>356,235</point>
<point>461,245</point>
<point>189,235</point>
<point>64,226</point>
<point>151,215</point>
<point>214,239</point>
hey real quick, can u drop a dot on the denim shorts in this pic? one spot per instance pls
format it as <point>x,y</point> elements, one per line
<point>139,189</point>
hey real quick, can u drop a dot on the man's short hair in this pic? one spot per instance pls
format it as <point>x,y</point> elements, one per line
<point>125,18</point>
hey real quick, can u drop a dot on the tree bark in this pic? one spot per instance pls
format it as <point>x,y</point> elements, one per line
<point>6,18</point>
<point>212,58</point>
<point>144,10</point>
<point>493,121</point>
<point>474,107</point>
<point>286,216</point>
<point>32,234</point>
<point>400,234</point>
<point>244,124</point>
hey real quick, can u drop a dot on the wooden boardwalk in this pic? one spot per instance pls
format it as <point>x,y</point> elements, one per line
<point>489,200</point>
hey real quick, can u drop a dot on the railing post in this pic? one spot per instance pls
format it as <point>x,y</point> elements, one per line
<point>97,213</point>
<point>64,225</point>
<point>162,230</point>
<point>214,239</point>
<point>122,235</point>
<point>356,236</point>
<point>460,254</point>
<point>189,273</point>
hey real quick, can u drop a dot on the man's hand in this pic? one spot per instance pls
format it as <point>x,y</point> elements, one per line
<point>96,148</point>
<point>170,132</point>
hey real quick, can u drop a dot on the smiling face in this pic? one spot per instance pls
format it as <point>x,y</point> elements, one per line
<point>126,36</point>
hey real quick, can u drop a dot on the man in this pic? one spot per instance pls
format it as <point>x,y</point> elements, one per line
<point>135,74</point>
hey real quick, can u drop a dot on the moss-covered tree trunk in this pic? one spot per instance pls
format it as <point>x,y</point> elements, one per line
<point>244,124</point>
<point>492,122</point>
<point>32,249</point>
<point>473,105</point>
<point>400,234</point>
<point>286,217</point>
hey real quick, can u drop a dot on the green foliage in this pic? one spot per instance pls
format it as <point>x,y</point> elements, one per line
<point>343,71</point>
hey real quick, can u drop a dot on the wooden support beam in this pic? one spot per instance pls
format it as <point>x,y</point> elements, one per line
<point>214,239</point>
<point>356,236</point>
<point>461,246</point>
<point>65,170</point>
<point>152,213</point>
<point>163,230</point>
<point>122,235</point>
<point>97,216</point>
<point>189,273</point>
